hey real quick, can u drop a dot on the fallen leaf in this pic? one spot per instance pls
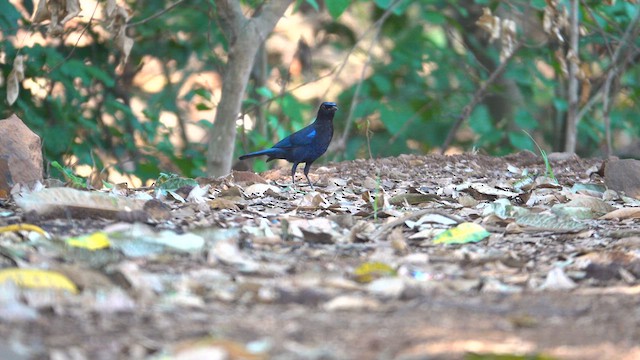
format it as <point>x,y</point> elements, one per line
<point>37,279</point>
<point>95,241</point>
<point>464,233</point>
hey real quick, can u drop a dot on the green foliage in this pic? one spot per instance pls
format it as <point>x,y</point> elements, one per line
<point>427,62</point>
<point>337,7</point>
<point>173,182</point>
<point>75,180</point>
<point>548,169</point>
<point>87,107</point>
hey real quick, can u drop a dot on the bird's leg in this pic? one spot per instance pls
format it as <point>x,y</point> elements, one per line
<point>293,173</point>
<point>307,167</point>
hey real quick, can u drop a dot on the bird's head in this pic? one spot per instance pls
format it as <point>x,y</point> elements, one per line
<point>329,106</point>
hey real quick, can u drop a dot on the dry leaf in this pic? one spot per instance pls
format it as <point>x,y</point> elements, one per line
<point>624,213</point>
<point>489,23</point>
<point>63,202</point>
<point>41,12</point>
<point>117,18</point>
<point>503,29</point>
<point>15,77</point>
<point>73,9</point>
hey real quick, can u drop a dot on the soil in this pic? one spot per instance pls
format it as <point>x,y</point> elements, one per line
<point>284,294</point>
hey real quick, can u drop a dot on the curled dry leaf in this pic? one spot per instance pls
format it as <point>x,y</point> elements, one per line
<point>58,11</point>
<point>489,23</point>
<point>117,18</point>
<point>41,12</point>
<point>555,20</point>
<point>508,39</point>
<point>13,81</point>
<point>503,29</point>
<point>72,8</point>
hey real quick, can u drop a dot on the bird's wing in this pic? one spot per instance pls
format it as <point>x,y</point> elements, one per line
<point>302,137</point>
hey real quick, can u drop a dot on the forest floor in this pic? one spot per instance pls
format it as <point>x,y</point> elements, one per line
<point>249,268</point>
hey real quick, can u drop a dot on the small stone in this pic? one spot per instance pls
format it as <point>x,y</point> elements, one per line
<point>21,149</point>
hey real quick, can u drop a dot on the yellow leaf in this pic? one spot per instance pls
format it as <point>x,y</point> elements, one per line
<point>369,271</point>
<point>24,227</point>
<point>37,279</point>
<point>95,241</point>
<point>462,234</point>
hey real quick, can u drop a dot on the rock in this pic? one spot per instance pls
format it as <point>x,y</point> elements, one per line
<point>623,176</point>
<point>21,155</point>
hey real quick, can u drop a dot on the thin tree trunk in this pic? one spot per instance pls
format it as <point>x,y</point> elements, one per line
<point>572,58</point>
<point>245,35</point>
<point>259,76</point>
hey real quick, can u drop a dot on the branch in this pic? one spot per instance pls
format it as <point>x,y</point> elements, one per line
<point>408,123</point>
<point>630,32</point>
<point>73,49</point>
<point>268,15</point>
<point>477,97</point>
<point>232,17</point>
<point>341,144</point>
<point>613,73</point>
<point>158,14</point>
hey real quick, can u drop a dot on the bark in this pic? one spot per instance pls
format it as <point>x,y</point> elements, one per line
<point>572,113</point>
<point>245,36</point>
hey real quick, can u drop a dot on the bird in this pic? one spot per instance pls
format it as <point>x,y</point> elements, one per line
<point>305,145</point>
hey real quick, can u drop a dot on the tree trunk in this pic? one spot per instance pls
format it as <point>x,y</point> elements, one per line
<point>245,35</point>
<point>571,133</point>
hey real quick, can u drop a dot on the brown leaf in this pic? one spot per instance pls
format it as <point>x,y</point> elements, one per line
<point>72,9</point>
<point>222,203</point>
<point>41,12</point>
<point>13,87</point>
<point>489,23</point>
<point>624,213</point>
<point>247,178</point>
<point>15,77</point>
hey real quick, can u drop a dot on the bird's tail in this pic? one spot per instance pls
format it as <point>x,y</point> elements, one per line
<point>270,152</point>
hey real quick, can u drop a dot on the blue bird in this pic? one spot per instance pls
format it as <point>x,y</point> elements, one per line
<point>305,145</point>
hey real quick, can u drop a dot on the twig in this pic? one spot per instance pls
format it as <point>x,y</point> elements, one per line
<point>477,97</point>
<point>390,225</point>
<point>605,91</point>
<point>613,73</point>
<point>598,27</point>
<point>408,123</point>
<point>73,49</point>
<point>158,14</point>
<point>335,71</point>
<point>341,144</point>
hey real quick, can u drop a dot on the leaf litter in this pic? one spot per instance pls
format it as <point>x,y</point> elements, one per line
<point>427,244</point>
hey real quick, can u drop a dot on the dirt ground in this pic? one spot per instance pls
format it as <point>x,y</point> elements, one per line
<point>349,270</point>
